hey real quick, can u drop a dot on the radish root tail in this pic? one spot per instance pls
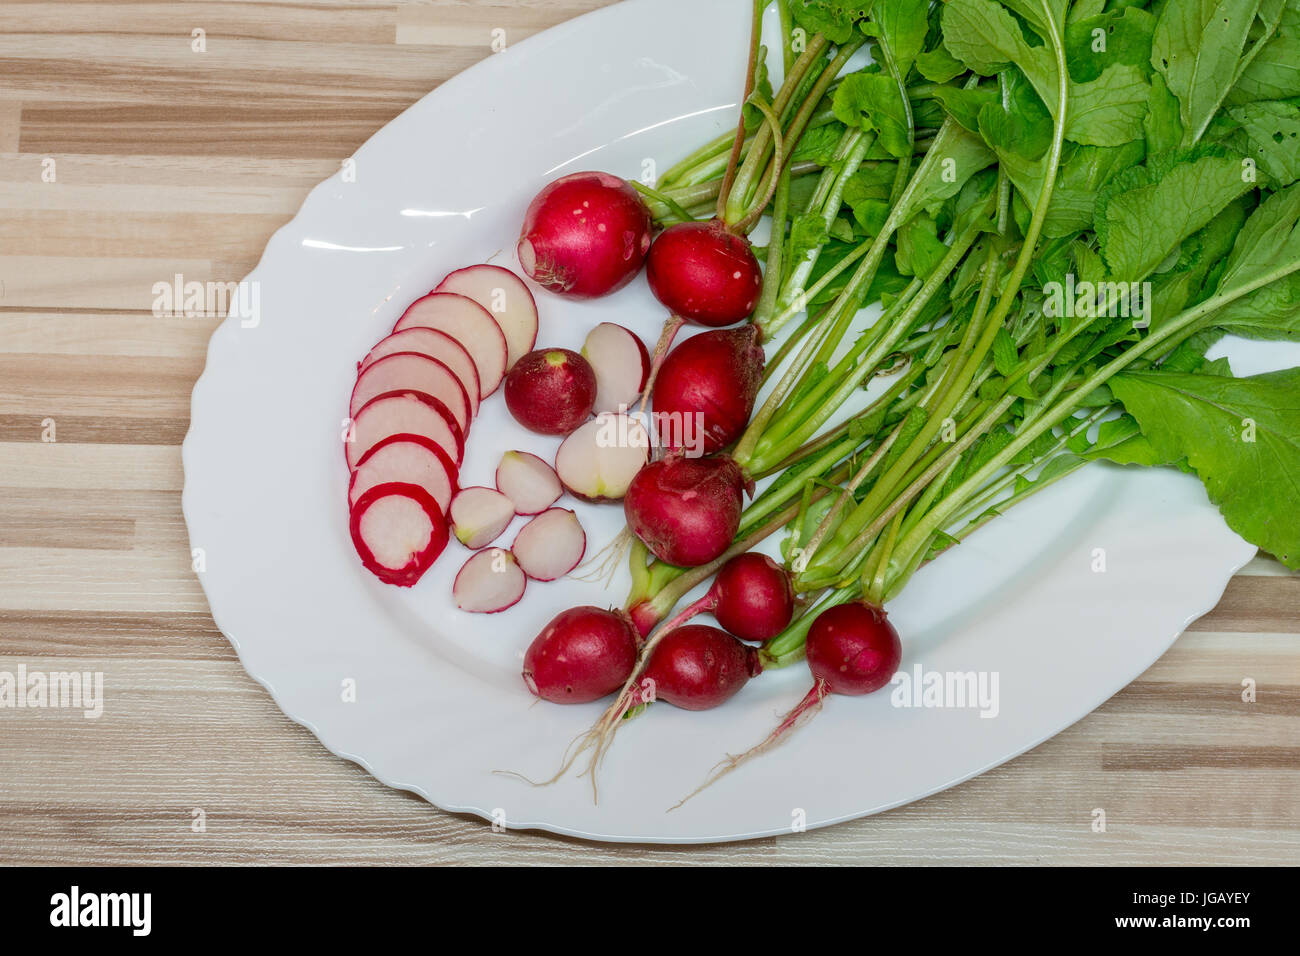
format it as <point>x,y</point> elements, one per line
<point>604,564</point>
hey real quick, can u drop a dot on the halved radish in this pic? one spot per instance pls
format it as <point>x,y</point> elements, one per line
<point>506,297</point>
<point>489,582</point>
<point>398,532</point>
<point>551,545</point>
<point>621,363</point>
<point>479,515</point>
<point>412,371</point>
<point>435,344</point>
<point>469,324</point>
<point>528,481</point>
<point>416,459</point>
<point>599,460</point>
<point>404,413</point>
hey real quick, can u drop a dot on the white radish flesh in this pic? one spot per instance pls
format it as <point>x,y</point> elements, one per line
<point>398,532</point>
<point>411,371</point>
<point>489,582</point>
<point>551,545</point>
<point>621,363</point>
<point>437,345</point>
<point>403,413</point>
<point>409,458</point>
<point>528,481</point>
<point>506,298</point>
<point>599,460</point>
<point>469,324</point>
<point>479,515</point>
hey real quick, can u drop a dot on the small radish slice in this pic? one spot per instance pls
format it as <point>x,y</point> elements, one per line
<point>551,545</point>
<point>479,515</point>
<point>508,300</point>
<point>403,413</point>
<point>599,460</point>
<point>437,345</point>
<point>410,458</point>
<point>528,481</point>
<point>489,582</point>
<point>411,371</point>
<point>621,363</point>
<point>398,532</point>
<point>469,324</point>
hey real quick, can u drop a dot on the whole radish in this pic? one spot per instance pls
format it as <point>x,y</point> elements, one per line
<point>583,654</point>
<point>551,391</point>
<point>686,510</point>
<point>697,667</point>
<point>585,235</point>
<point>706,388</point>
<point>704,273</point>
<point>751,597</point>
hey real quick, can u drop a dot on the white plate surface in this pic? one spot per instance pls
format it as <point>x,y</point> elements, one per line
<point>439,702</point>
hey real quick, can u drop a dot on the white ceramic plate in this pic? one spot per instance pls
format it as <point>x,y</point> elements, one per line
<point>439,704</point>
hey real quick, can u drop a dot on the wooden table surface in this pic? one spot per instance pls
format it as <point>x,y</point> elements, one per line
<point>126,156</point>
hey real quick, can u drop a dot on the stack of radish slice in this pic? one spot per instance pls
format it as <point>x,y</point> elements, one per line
<point>416,395</point>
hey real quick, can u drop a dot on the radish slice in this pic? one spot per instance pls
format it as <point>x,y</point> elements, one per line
<point>403,413</point>
<point>479,515</point>
<point>469,324</point>
<point>551,545</point>
<point>599,460</point>
<point>528,481</point>
<point>508,300</point>
<point>409,458</point>
<point>489,582</point>
<point>436,345</point>
<point>621,363</point>
<point>411,371</point>
<point>398,532</point>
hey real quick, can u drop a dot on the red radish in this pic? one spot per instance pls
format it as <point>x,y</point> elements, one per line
<point>437,345</point>
<point>403,413</point>
<point>413,372</point>
<point>583,654</point>
<point>705,391</point>
<point>398,532</point>
<point>551,391</point>
<point>410,458</point>
<point>704,273</point>
<point>506,297</point>
<point>585,235</point>
<point>479,515</point>
<point>528,481</point>
<point>751,597</point>
<point>489,582</point>
<point>551,545</point>
<point>621,364</point>
<point>686,510</point>
<point>697,667</point>
<point>599,460</point>
<point>469,324</point>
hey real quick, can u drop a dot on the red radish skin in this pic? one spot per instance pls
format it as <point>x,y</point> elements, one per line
<point>401,413</point>
<point>506,298</point>
<point>582,655</point>
<point>551,391</point>
<point>705,390</point>
<point>585,235</point>
<point>752,597</point>
<point>489,582</point>
<point>598,462</point>
<point>704,274</point>
<point>621,363</point>
<point>686,510</point>
<point>411,371</point>
<point>390,540</point>
<point>550,545</point>
<point>528,481</point>
<point>469,324</point>
<point>697,667</point>
<point>853,649</point>
<point>411,458</point>
<point>479,516</point>
<point>437,345</point>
